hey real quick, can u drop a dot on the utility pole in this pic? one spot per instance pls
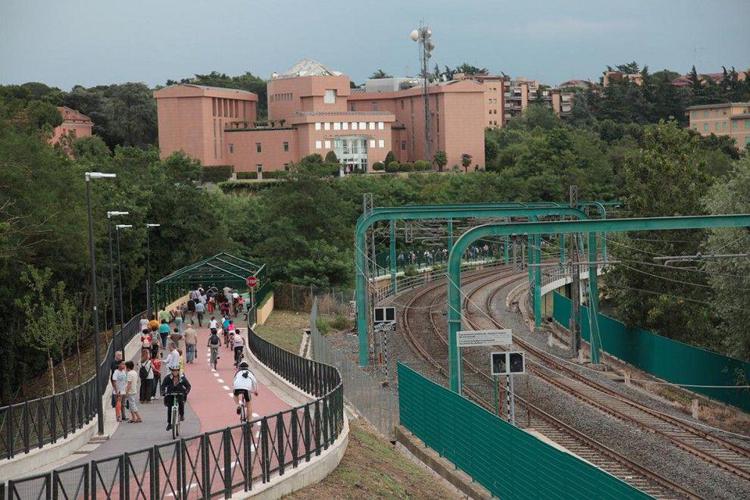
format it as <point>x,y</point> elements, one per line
<point>423,36</point>
<point>575,334</point>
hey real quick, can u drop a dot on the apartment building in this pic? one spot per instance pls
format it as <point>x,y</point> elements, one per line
<point>75,125</point>
<point>731,119</point>
<point>312,109</point>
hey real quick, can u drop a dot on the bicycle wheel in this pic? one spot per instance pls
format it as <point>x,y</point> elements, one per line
<point>175,422</point>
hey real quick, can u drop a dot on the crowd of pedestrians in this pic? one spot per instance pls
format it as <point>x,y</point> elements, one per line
<point>440,255</point>
<point>169,342</point>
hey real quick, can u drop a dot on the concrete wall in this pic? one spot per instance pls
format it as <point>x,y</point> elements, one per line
<point>265,310</point>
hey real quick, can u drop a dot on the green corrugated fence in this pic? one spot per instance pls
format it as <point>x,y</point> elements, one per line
<point>665,358</point>
<point>504,459</point>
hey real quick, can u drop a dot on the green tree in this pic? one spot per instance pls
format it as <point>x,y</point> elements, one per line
<point>466,161</point>
<point>389,158</point>
<point>331,158</point>
<point>730,277</point>
<point>440,159</point>
<point>379,74</point>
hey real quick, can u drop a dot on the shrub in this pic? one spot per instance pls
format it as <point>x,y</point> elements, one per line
<point>218,173</point>
<point>411,270</point>
<point>274,174</point>
<point>389,157</point>
<point>392,167</point>
<point>331,157</point>
<point>422,165</point>
<point>323,326</point>
<point>248,175</point>
<point>341,322</point>
<point>378,166</point>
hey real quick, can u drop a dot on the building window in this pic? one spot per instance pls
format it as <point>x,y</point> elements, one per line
<point>317,125</point>
<point>257,147</point>
<point>381,126</point>
<point>705,114</point>
<point>328,144</point>
<point>326,126</point>
<point>718,125</point>
<point>372,125</point>
<point>705,127</point>
<point>381,143</point>
<point>336,125</point>
<point>354,125</point>
<point>352,107</point>
<point>259,168</point>
<point>318,145</point>
<point>402,104</point>
<point>362,126</point>
<point>231,148</point>
<point>403,145</point>
<point>345,126</point>
<point>286,166</point>
<point>372,143</point>
<point>214,103</point>
<point>286,146</point>
<point>329,97</point>
<point>747,124</point>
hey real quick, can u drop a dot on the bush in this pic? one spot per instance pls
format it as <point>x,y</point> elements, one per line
<point>422,165</point>
<point>218,173</point>
<point>389,157</point>
<point>331,157</point>
<point>323,326</point>
<point>411,270</point>
<point>378,166</point>
<point>341,322</point>
<point>247,175</point>
<point>392,167</point>
<point>274,174</point>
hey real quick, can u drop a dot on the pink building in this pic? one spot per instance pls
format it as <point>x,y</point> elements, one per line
<point>311,109</point>
<point>192,119</point>
<point>75,125</point>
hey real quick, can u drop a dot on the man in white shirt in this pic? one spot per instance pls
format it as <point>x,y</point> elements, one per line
<point>119,388</point>
<point>173,358</point>
<point>245,383</point>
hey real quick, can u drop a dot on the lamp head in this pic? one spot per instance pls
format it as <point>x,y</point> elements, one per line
<point>114,213</point>
<point>99,175</point>
<point>148,224</point>
<point>123,226</point>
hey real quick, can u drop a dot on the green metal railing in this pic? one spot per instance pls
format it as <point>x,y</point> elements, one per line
<point>504,459</point>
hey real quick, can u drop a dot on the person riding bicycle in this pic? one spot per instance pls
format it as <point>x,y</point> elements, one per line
<point>238,345</point>
<point>244,383</point>
<point>226,330</point>
<point>214,342</point>
<point>173,384</point>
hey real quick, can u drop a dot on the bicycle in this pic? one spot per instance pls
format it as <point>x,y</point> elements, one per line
<point>214,356</point>
<point>226,337</point>
<point>238,356</point>
<point>243,409</point>
<point>175,412</point>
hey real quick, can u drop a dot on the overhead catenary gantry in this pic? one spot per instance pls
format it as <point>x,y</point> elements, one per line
<point>591,228</point>
<point>531,211</point>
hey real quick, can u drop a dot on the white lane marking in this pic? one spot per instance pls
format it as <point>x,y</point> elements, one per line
<point>226,388</point>
<point>255,415</point>
<point>230,394</point>
<point>220,380</point>
<point>215,372</point>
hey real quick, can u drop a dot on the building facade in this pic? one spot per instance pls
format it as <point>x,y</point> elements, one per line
<point>731,119</point>
<point>74,125</point>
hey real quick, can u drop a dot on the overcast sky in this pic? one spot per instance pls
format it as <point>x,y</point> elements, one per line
<point>89,42</point>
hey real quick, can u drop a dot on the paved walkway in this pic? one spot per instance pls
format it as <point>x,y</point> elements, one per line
<point>210,406</point>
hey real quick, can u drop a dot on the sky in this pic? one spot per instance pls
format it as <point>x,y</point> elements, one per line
<point>91,42</point>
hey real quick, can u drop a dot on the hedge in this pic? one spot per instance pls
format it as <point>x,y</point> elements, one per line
<point>219,173</point>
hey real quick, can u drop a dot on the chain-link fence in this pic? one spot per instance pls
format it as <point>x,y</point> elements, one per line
<point>376,402</point>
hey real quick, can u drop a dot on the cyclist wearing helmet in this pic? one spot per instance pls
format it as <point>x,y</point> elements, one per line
<point>245,383</point>
<point>238,345</point>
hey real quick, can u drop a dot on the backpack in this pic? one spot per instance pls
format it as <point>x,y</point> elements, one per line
<point>214,340</point>
<point>143,372</point>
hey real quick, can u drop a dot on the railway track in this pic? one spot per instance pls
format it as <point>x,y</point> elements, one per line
<point>710,448</point>
<point>560,432</point>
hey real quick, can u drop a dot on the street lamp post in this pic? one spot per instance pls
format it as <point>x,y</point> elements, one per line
<point>119,275</point>
<point>111,214</point>
<point>99,406</point>
<point>148,267</point>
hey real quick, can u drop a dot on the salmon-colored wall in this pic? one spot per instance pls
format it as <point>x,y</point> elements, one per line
<point>74,123</point>
<point>463,133</point>
<point>242,151</point>
<point>288,95</point>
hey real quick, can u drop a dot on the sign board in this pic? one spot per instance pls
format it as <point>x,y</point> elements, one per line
<point>507,363</point>
<point>251,281</point>
<point>384,315</point>
<point>477,338</point>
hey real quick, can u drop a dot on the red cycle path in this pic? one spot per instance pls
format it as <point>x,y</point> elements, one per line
<point>211,395</point>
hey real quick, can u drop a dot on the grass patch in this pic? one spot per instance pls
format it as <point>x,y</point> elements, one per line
<point>284,328</point>
<point>373,468</point>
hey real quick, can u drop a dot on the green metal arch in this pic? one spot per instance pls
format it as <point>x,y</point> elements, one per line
<point>592,227</point>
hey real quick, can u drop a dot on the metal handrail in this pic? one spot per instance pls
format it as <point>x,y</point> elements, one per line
<point>214,463</point>
<point>37,422</point>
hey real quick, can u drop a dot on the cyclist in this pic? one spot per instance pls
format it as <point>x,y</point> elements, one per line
<point>238,345</point>
<point>244,383</point>
<point>214,342</point>
<point>175,383</point>
<point>225,328</point>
